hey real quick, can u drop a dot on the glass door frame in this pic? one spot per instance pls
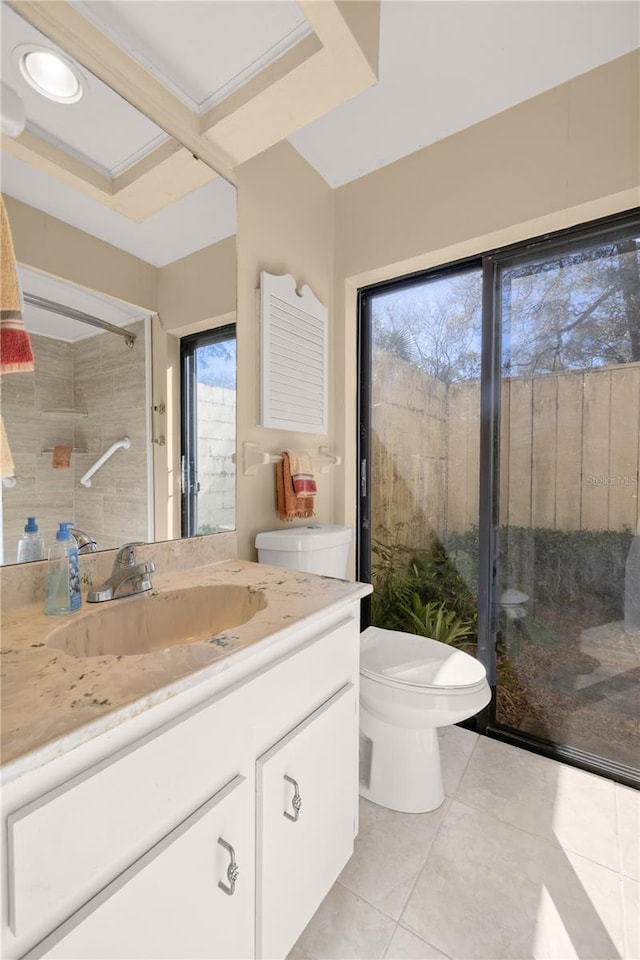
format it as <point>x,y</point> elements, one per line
<point>624,225</point>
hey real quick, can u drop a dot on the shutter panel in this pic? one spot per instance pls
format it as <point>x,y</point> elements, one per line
<point>293,356</point>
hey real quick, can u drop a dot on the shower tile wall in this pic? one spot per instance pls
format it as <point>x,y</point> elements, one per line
<point>109,383</point>
<point>103,377</point>
<point>40,490</point>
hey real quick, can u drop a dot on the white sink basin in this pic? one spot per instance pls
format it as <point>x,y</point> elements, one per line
<point>156,621</point>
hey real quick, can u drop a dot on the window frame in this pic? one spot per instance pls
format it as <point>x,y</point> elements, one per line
<point>188,420</point>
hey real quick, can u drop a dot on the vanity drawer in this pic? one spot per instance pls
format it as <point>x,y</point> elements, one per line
<point>67,844</point>
<point>170,902</point>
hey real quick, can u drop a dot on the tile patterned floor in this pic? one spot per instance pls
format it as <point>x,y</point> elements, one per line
<point>527,859</point>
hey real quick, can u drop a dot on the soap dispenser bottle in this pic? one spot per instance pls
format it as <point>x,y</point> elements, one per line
<point>30,544</point>
<point>63,574</point>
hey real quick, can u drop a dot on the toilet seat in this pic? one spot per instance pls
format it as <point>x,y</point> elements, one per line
<point>411,662</point>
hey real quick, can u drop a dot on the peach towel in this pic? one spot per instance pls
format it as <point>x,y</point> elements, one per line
<point>61,459</point>
<point>290,506</point>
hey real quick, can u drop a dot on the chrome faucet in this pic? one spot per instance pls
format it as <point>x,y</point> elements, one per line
<point>128,577</point>
<point>86,543</point>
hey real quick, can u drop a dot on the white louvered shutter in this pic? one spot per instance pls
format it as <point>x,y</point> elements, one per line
<point>293,356</point>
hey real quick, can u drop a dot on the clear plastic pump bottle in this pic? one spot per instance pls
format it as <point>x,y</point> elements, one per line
<point>30,544</point>
<point>63,574</point>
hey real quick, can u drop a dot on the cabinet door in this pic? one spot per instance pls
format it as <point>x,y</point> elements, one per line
<point>300,852</point>
<point>169,903</point>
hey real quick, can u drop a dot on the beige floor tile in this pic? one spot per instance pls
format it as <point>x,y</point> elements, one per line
<point>628,803</point>
<point>631,902</point>
<point>390,849</point>
<point>554,801</point>
<point>489,890</point>
<point>456,747</point>
<point>406,946</point>
<point>344,928</point>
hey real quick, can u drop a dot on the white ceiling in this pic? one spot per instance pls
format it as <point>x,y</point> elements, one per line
<point>201,51</point>
<point>447,65</point>
<point>444,65</point>
<point>48,324</point>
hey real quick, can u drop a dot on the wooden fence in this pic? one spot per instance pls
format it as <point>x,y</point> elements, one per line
<point>569,450</point>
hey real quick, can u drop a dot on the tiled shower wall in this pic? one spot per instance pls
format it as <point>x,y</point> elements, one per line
<point>104,378</point>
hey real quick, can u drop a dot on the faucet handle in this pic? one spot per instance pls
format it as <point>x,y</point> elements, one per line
<point>126,555</point>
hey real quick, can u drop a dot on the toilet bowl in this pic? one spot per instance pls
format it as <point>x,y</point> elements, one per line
<point>410,686</point>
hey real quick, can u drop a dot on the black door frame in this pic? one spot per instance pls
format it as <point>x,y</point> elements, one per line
<point>569,239</point>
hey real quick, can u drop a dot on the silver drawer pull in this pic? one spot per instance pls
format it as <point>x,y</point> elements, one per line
<point>296,802</point>
<point>232,869</point>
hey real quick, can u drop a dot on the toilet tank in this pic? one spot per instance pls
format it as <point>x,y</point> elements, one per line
<point>321,548</point>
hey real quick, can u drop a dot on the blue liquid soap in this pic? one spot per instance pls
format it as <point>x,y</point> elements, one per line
<point>63,574</point>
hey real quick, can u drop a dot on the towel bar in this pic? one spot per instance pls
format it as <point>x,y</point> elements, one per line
<point>252,458</point>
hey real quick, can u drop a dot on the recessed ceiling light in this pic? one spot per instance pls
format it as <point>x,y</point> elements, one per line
<point>50,74</point>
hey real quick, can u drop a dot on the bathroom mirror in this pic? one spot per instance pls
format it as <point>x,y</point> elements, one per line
<point>115,219</point>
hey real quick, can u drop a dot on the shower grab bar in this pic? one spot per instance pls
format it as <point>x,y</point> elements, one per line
<point>125,443</point>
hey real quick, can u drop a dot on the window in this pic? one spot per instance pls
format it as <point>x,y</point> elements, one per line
<point>208,376</point>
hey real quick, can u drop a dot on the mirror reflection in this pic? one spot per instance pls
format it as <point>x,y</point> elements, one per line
<point>88,392</point>
<point>114,219</point>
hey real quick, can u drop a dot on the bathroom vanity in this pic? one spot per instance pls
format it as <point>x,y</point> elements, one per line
<point>193,801</point>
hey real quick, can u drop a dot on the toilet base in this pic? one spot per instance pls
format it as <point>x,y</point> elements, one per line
<point>404,769</point>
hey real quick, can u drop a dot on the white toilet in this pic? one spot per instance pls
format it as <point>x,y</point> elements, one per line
<point>409,685</point>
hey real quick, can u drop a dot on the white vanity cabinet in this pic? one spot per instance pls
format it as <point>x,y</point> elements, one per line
<point>119,856</point>
<point>305,820</point>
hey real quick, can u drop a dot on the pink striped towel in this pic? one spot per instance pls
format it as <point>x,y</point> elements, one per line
<point>304,482</point>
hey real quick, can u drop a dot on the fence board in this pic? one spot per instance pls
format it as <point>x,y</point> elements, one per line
<point>543,451</point>
<point>568,478</point>
<point>596,408</point>
<point>520,423</point>
<point>623,448</point>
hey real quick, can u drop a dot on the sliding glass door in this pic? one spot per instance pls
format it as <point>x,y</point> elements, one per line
<point>569,568</point>
<point>499,461</point>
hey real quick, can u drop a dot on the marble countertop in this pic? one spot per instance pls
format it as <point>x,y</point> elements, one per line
<point>52,701</point>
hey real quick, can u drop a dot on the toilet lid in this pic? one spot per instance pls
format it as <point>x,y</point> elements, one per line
<point>419,661</point>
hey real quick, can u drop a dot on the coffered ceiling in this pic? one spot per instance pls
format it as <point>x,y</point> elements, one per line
<point>182,91</point>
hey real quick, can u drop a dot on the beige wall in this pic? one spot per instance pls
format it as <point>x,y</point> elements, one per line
<point>198,289</point>
<point>47,244</point>
<point>285,225</point>
<point>564,157</point>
